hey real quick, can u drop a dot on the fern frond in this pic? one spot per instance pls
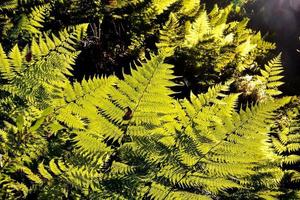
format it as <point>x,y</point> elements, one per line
<point>161,6</point>
<point>271,76</point>
<point>51,58</point>
<point>285,142</point>
<point>269,195</point>
<point>30,175</point>
<point>12,187</point>
<point>122,169</point>
<point>210,143</point>
<point>189,7</point>
<point>194,107</point>
<point>245,48</point>
<point>128,138</point>
<point>170,35</point>
<point>131,104</point>
<point>8,4</point>
<point>80,100</point>
<point>80,177</point>
<point>35,19</point>
<point>44,173</point>
<point>5,65</point>
<point>158,191</point>
<point>91,146</point>
<point>197,29</point>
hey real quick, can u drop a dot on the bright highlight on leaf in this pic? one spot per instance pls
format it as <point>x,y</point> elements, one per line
<point>130,136</point>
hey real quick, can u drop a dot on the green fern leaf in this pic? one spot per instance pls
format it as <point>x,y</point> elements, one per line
<point>30,175</point>
<point>54,168</point>
<point>36,18</point>
<point>44,172</point>
<point>270,76</point>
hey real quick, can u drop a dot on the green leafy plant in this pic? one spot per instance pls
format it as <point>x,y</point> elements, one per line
<point>22,20</point>
<point>130,138</point>
<point>263,86</point>
<point>285,144</point>
<point>101,133</point>
<point>207,48</point>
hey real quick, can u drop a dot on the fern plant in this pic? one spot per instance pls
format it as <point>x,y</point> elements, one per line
<point>261,87</point>
<point>22,20</point>
<point>50,58</point>
<point>285,144</point>
<point>205,149</point>
<point>113,138</point>
<point>27,82</point>
<point>206,43</point>
<point>210,46</point>
<point>117,136</point>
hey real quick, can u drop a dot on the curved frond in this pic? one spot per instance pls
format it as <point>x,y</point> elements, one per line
<point>271,76</point>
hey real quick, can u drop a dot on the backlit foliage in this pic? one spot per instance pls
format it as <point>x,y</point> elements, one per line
<point>210,46</point>
<point>22,19</point>
<point>265,85</point>
<point>94,136</point>
<point>105,137</point>
<point>285,144</point>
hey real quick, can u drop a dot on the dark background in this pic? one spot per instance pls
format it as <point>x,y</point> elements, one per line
<point>280,20</point>
<point>277,20</point>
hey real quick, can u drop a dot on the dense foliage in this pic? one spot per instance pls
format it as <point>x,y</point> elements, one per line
<point>131,135</point>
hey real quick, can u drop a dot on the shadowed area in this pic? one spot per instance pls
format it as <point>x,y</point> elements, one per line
<point>281,19</point>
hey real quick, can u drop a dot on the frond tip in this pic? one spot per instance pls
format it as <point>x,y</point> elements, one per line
<point>270,76</point>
